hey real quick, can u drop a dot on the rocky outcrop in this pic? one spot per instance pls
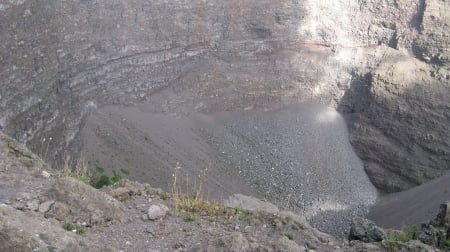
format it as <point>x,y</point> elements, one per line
<point>250,204</point>
<point>29,231</point>
<point>80,203</point>
<point>366,231</point>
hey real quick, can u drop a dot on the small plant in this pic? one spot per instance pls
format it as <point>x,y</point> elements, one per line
<point>409,232</point>
<point>185,229</point>
<point>447,243</point>
<point>68,226</point>
<point>163,196</point>
<point>243,215</point>
<point>103,181</point>
<point>394,237</point>
<point>109,219</point>
<point>189,217</point>
<point>289,235</point>
<point>80,230</point>
<point>116,177</point>
<point>125,171</point>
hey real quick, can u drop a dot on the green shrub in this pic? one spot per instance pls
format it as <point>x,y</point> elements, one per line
<point>189,217</point>
<point>124,171</point>
<point>103,181</point>
<point>163,196</point>
<point>289,236</point>
<point>68,226</point>
<point>447,243</point>
<point>407,234</point>
<point>80,230</point>
<point>116,177</point>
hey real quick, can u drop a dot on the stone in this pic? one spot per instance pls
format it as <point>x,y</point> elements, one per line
<point>250,204</point>
<point>60,211</point>
<point>298,220</point>
<point>429,235</point>
<point>157,211</point>
<point>443,217</point>
<point>287,245</point>
<point>85,202</point>
<point>366,231</point>
<point>239,242</point>
<point>120,193</point>
<point>32,205</point>
<point>44,207</point>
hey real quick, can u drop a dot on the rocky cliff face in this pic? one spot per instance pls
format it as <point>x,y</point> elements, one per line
<point>61,60</point>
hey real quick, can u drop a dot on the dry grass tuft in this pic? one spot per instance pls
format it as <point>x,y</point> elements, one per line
<point>193,200</point>
<point>80,170</point>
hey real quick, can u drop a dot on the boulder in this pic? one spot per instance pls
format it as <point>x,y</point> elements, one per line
<point>250,204</point>
<point>428,234</point>
<point>286,245</point>
<point>86,204</point>
<point>366,231</point>
<point>157,211</point>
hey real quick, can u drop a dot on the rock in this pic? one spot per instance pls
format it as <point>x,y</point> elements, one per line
<point>429,235</point>
<point>44,207</point>
<point>443,217</point>
<point>239,242</point>
<point>85,202</point>
<point>157,211</point>
<point>366,231</point>
<point>363,246</point>
<point>33,205</point>
<point>299,220</point>
<point>250,204</point>
<point>415,245</point>
<point>120,193</point>
<point>60,211</point>
<point>286,245</point>
<point>29,231</point>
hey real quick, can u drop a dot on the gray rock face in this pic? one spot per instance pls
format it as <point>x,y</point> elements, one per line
<point>60,61</point>
<point>366,231</point>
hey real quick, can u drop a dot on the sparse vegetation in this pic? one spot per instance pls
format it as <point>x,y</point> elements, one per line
<point>405,235</point>
<point>189,217</point>
<point>192,201</point>
<point>104,180</point>
<point>68,226</point>
<point>185,229</point>
<point>447,243</point>
<point>289,235</point>
<point>164,196</point>
<point>80,230</point>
